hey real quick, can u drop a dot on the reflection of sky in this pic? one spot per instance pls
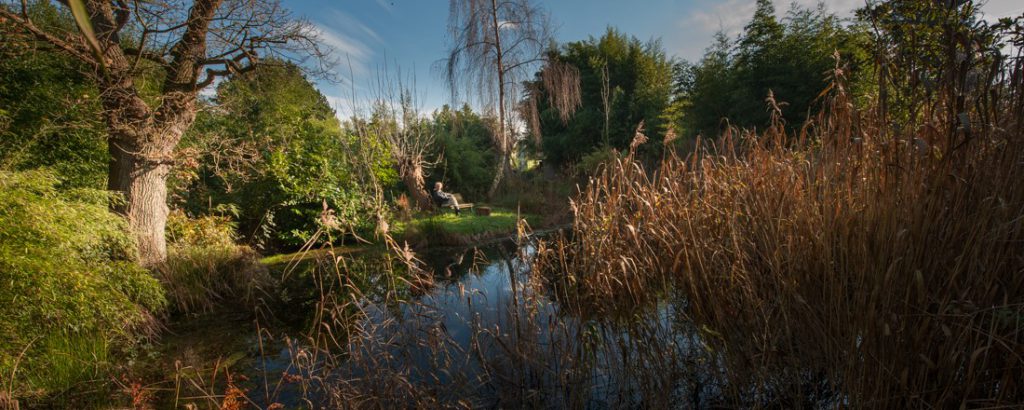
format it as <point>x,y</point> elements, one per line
<point>471,305</point>
<point>411,34</point>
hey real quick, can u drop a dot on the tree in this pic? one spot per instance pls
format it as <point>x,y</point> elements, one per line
<point>49,111</point>
<point>270,145</point>
<point>949,40</point>
<point>792,59</point>
<point>495,46</point>
<point>463,143</point>
<point>190,45</point>
<point>397,122</point>
<point>622,81</point>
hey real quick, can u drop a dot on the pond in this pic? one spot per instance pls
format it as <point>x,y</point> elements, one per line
<point>463,327</point>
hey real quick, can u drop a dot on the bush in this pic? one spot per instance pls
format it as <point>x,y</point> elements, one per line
<point>206,267</point>
<point>464,144</point>
<point>69,274</point>
<point>602,156</point>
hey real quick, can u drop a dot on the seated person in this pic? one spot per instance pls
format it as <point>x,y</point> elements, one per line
<point>444,199</point>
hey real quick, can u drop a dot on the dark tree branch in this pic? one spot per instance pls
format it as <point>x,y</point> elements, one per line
<point>148,55</point>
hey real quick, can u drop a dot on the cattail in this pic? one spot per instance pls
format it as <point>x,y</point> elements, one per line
<point>670,136</point>
<point>638,138</point>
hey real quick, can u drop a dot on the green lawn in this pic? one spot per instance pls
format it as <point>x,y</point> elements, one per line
<point>470,223</point>
<point>500,220</point>
<point>311,254</point>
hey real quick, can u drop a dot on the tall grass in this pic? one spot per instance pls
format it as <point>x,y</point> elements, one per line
<point>206,268</point>
<point>849,263</point>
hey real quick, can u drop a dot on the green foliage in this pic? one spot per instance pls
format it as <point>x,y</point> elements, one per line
<point>946,42</point>
<point>639,79</point>
<point>591,162</point>
<point>792,59</point>
<point>66,361</point>
<point>270,143</point>
<point>463,140</point>
<point>49,110</point>
<point>68,271</point>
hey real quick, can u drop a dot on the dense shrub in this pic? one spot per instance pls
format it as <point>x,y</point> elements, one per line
<point>618,72</point>
<point>69,278</point>
<point>591,162</point>
<point>49,109</point>
<point>464,146</point>
<point>271,146</point>
<point>784,57</point>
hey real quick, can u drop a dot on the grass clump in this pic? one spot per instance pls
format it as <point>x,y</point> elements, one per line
<point>206,267</point>
<point>71,285</point>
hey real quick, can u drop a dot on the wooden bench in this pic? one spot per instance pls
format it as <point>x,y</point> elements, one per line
<point>458,198</point>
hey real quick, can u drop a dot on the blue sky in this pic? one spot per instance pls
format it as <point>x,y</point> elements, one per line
<point>411,34</point>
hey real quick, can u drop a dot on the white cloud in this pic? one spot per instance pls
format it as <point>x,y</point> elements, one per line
<point>349,48</point>
<point>729,17</point>
<point>342,19</point>
<point>996,9</point>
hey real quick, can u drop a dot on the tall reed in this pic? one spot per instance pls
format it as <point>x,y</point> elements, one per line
<point>848,263</point>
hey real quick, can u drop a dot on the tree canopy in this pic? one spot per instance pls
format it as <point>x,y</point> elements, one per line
<point>792,58</point>
<point>633,77</point>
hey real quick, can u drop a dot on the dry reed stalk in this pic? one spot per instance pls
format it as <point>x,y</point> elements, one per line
<point>841,265</point>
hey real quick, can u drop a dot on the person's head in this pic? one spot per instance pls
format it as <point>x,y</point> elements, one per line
<point>438,185</point>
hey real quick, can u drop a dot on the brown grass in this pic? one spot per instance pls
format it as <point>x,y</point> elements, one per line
<point>884,265</point>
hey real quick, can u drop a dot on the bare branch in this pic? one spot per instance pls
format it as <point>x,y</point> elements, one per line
<point>494,47</point>
<point>74,45</point>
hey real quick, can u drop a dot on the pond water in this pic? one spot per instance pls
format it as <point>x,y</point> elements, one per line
<point>477,328</point>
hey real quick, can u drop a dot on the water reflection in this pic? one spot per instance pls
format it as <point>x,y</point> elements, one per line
<point>483,333</point>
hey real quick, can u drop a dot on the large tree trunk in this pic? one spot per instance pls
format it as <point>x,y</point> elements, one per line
<point>143,183</point>
<point>412,177</point>
<point>141,146</point>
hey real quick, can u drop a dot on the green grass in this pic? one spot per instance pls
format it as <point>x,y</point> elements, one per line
<point>468,224</point>
<point>312,254</point>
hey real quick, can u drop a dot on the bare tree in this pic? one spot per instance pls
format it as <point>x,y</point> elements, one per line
<point>605,99</point>
<point>495,46</point>
<point>191,44</point>
<point>397,122</point>
<point>560,82</point>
